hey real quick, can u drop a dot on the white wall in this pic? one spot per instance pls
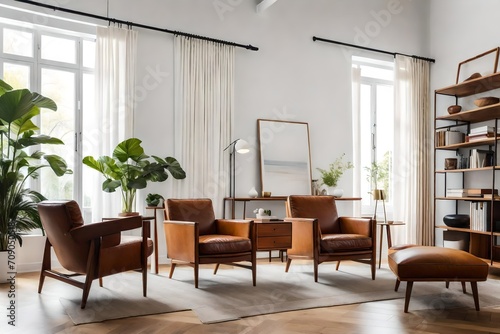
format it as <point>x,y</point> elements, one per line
<point>290,77</point>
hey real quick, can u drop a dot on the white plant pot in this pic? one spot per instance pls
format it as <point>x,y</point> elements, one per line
<point>4,267</point>
<point>336,192</point>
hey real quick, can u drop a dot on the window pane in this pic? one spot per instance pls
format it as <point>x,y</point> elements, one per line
<point>385,136</point>
<point>59,86</point>
<point>88,53</point>
<point>58,49</point>
<point>366,141</point>
<point>18,76</point>
<point>18,42</point>
<point>91,179</point>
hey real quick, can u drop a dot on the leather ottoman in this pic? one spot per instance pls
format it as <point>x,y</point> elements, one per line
<point>412,263</point>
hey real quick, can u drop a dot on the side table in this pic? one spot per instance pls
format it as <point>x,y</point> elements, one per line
<point>387,225</point>
<point>154,264</point>
<point>273,235</point>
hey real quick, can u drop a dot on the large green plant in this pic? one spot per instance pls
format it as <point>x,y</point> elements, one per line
<point>130,169</point>
<point>18,204</point>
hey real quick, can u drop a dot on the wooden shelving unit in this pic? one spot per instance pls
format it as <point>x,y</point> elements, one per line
<point>484,244</point>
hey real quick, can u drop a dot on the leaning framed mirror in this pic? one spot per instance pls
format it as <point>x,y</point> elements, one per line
<point>285,158</point>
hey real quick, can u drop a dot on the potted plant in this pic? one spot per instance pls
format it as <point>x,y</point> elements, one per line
<point>18,134</point>
<point>331,176</point>
<point>130,169</point>
<point>378,175</point>
<point>153,199</point>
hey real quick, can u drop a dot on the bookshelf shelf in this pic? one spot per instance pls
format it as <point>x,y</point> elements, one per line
<point>484,244</point>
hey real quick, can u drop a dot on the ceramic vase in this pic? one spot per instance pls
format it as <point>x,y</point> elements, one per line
<point>253,193</point>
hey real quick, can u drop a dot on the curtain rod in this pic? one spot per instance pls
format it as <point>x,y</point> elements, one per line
<point>371,49</point>
<point>180,33</point>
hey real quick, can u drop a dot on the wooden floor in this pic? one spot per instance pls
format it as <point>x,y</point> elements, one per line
<point>376,317</point>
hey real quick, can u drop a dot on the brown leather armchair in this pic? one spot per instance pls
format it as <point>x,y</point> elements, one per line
<point>195,237</point>
<point>318,233</point>
<point>94,250</point>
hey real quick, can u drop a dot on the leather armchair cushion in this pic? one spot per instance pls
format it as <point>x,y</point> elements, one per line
<point>125,256</point>
<point>344,242</point>
<point>223,244</point>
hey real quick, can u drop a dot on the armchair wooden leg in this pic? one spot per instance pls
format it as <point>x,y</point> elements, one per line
<point>196,267</point>
<point>338,265</point>
<point>288,262</point>
<point>409,286</point>
<point>254,273</point>
<point>144,279</point>
<point>447,284</point>
<point>374,268</point>
<point>40,282</point>
<point>172,268</point>
<point>100,282</point>
<point>464,290</point>
<point>397,285</point>
<point>216,268</point>
<point>316,264</point>
<point>45,265</point>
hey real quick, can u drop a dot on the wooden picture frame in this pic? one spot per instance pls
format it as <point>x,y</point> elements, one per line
<point>285,158</point>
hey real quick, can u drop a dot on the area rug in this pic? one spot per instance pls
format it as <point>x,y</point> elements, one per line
<point>229,295</point>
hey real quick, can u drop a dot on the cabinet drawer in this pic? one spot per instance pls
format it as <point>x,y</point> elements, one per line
<point>279,242</point>
<point>274,229</point>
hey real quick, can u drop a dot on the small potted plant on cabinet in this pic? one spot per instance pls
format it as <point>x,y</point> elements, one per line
<point>331,176</point>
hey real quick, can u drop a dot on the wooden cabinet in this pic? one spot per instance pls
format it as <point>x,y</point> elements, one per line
<point>273,235</point>
<point>482,243</point>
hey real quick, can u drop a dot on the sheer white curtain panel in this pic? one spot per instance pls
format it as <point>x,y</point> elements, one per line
<point>204,107</point>
<point>412,161</point>
<point>115,68</point>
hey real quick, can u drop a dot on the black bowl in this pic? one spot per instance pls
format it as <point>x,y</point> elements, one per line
<point>457,220</point>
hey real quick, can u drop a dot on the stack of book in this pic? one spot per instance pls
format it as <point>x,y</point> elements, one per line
<point>481,133</point>
<point>449,137</point>
<point>471,192</point>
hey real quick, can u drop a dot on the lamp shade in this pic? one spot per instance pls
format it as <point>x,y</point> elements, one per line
<point>378,194</point>
<point>242,146</point>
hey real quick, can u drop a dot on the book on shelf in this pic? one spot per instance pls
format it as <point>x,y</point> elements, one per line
<point>480,192</point>
<point>478,137</point>
<point>483,129</point>
<point>450,192</point>
<point>490,196</point>
<point>480,216</point>
<point>480,158</point>
<point>449,137</point>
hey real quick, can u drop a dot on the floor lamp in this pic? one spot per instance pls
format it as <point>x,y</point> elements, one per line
<point>238,146</point>
<point>379,195</point>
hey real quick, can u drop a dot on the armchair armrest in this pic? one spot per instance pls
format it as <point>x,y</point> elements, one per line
<point>182,239</point>
<point>96,230</point>
<point>305,235</point>
<point>356,225</point>
<point>238,228</point>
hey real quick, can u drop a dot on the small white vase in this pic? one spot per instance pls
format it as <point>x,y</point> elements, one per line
<point>336,192</point>
<point>253,193</point>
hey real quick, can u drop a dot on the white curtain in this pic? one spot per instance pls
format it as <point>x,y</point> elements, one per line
<point>412,161</point>
<point>204,104</point>
<point>114,106</point>
<point>356,131</point>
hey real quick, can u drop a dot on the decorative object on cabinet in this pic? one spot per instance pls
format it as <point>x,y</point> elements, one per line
<point>237,146</point>
<point>457,220</point>
<point>285,158</point>
<point>253,193</point>
<point>379,195</point>
<point>454,109</point>
<point>473,76</point>
<point>486,101</point>
<point>450,163</point>
<point>266,194</point>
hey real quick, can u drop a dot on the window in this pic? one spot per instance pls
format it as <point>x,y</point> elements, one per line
<point>376,118</point>
<point>59,65</point>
